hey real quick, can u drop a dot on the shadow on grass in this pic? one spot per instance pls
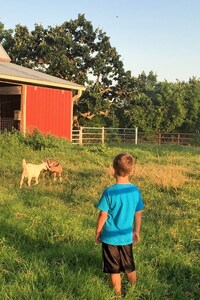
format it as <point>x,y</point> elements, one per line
<point>183,279</point>
<point>69,266</point>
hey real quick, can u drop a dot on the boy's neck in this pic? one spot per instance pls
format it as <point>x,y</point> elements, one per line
<point>120,179</point>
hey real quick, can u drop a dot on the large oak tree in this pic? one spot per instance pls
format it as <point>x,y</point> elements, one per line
<point>77,52</point>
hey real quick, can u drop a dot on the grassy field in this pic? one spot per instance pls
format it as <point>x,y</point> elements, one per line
<point>47,248</point>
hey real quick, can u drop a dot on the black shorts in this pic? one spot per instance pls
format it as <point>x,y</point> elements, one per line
<point>117,259</point>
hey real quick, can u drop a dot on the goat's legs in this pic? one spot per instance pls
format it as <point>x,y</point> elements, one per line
<point>54,176</point>
<point>21,181</point>
<point>29,182</point>
<point>36,180</point>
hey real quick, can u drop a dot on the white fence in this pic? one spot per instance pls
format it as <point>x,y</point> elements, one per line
<point>101,135</point>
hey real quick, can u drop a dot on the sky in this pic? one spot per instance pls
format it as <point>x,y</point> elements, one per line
<point>162,36</point>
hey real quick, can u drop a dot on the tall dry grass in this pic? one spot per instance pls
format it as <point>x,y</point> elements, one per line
<point>163,176</point>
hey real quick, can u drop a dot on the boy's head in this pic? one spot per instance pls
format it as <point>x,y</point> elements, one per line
<point>123,164</point>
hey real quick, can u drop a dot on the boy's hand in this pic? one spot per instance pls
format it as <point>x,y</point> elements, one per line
<point>100,223</point>
<point>97,239</point>
<point>136,230</point>
<point>136,237</point>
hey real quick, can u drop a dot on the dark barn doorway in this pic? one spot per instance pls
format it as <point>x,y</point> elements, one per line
<point>10,103</point>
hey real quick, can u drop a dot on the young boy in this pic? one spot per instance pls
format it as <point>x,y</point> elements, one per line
<point>119,221</point>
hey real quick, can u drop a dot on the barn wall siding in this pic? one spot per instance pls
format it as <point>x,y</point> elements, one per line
<point>49,110</point>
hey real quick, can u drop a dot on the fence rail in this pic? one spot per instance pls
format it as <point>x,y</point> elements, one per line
<point>97,135</point>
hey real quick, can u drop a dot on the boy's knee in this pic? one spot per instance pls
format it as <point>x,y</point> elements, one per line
<point>131,277</point>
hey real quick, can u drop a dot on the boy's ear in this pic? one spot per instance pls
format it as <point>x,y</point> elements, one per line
<point>113,171</point>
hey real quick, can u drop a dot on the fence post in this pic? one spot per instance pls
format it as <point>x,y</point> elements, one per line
<point>103,135</point>
<point>179,138</point>
<point>81,135</point>
<point>136,136</point>
<point>159,138</point>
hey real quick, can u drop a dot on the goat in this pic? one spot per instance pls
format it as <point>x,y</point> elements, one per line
<point>32,171</point>
<point>55,168</point>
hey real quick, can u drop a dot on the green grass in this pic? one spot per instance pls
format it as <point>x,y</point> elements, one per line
<point>47,248</point>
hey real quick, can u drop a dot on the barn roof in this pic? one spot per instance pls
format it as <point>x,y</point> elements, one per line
<point>15,73</point>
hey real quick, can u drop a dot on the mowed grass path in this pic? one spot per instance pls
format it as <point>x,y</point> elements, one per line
<point>47,248</point>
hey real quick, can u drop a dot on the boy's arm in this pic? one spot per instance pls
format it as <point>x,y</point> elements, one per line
<point>136,230</point>
<point>100,223</point>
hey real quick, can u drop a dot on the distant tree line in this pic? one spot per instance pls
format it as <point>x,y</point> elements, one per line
<point>77,52</point>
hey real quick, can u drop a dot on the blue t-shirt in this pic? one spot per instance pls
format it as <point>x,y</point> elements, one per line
<point>120,201</point>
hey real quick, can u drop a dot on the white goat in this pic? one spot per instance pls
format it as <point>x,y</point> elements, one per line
<point>32,171</point>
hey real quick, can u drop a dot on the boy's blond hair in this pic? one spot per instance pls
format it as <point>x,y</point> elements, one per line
<point>123,164</point>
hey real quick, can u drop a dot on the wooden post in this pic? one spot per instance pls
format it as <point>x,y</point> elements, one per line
<point>159,138</point>
<point>103,135</point>
<point>23,110</point>
<point>136,136</point>
<point>81,135</point>
<point>178,138</point>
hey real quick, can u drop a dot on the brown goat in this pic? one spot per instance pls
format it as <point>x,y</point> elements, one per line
<point>55,168</point>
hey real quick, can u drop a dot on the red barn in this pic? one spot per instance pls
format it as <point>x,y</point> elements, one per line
<point>30,99</point>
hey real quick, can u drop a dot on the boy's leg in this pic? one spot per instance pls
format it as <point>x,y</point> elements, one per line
<point>131,277</point>
<point>116,282</point>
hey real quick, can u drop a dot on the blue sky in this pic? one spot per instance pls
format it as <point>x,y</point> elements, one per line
<point>158,35</point>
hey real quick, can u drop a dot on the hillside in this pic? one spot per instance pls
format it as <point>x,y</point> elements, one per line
<point>47,248</point>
